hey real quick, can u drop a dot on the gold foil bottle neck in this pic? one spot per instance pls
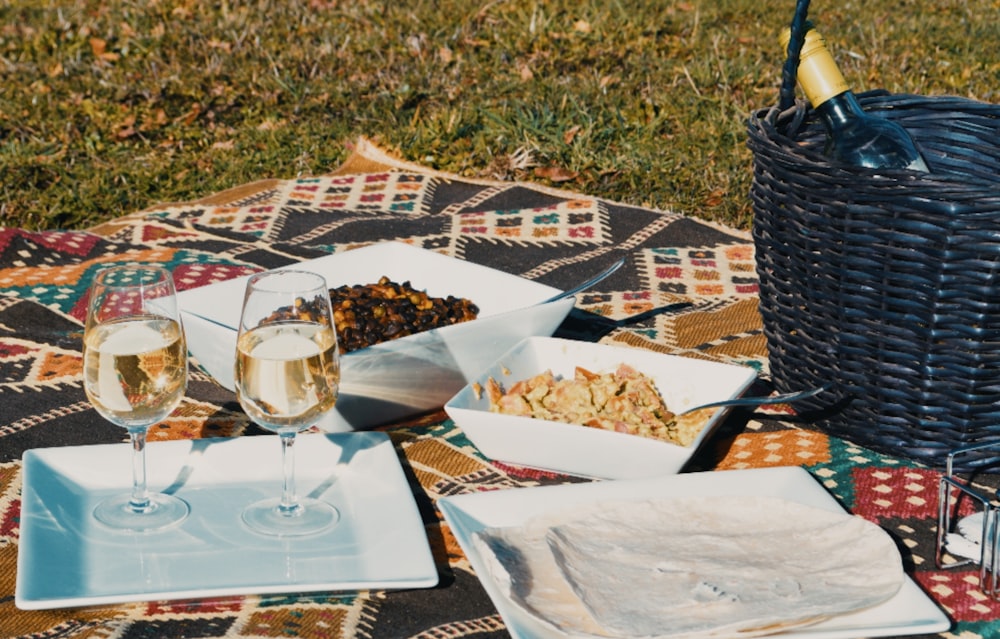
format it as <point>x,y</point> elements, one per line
<point>818,73</point>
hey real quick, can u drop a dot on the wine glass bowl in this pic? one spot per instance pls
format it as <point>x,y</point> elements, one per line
<point>135,375</point>
<point>287,377</point>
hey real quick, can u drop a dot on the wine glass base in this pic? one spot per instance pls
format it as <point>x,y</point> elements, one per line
<point>164,511</point>
<point>311,516</point>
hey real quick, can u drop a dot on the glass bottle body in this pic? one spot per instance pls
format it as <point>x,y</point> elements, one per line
<point>860,139</point>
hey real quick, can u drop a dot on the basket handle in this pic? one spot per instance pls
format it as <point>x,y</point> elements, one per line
<point>788,72</point>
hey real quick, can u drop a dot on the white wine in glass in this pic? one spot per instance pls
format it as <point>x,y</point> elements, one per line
<point>287,377</point>
<point>135,374</point>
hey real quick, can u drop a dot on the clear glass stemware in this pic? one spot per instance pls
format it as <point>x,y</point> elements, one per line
<point>135,374</point>
<point>287,377</point>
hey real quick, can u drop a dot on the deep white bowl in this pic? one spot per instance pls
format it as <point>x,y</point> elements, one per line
<point>401,377</point>
<point>579,450</point>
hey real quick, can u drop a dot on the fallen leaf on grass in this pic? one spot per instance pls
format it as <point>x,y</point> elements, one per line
<point>556,173</point>
<point>220,44</point>
<point>715,198</point>
<point>269,125</point>
<point>126,128</point>
<point>570,134</point>
<point>156,120</point>
<point>188,118</point>
<point>99,48</point>
<point>51,158</point>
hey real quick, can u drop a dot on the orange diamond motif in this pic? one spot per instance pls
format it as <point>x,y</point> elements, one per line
<point>783,448</point>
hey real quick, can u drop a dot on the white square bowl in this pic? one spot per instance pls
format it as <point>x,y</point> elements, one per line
<point>405,376</point>
<point>580,450</point>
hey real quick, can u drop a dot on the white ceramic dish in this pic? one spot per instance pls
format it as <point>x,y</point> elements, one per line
<point>682,381</point>
<point>402,377</point>
<point>909,612</point>
<point>66,558</point>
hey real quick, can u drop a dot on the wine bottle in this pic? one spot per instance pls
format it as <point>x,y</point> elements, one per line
<point>853,136</point>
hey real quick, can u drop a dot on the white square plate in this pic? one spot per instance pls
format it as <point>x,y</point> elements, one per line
<point>683,382</point>
<point>402,377</point>
<point>66,558</point>
<point>909,612</point>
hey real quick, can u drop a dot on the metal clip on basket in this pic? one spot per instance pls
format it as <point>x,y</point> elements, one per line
<point>887,282</point>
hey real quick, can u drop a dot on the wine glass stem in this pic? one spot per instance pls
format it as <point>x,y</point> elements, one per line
<point>289,506</point>
<point>139,503</point>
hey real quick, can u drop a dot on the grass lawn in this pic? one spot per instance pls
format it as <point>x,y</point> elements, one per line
<point>107,107</point>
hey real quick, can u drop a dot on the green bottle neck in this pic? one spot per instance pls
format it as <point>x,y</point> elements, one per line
<point>840,109</point>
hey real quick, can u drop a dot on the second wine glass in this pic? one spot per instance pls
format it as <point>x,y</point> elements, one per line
<point>287,377</point>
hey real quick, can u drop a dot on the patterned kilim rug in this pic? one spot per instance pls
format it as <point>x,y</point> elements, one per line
<point>539,233</point>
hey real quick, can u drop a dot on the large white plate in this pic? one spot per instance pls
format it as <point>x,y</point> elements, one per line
<point>683,382</point>
<point>909,612</point>
<point>402,377</point>
<point>66,558</point>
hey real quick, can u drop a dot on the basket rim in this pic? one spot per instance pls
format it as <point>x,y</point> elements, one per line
<point>773,134</point>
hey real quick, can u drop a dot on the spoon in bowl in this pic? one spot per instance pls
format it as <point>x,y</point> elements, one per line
<point>582,286</point>
<point>783,398</point>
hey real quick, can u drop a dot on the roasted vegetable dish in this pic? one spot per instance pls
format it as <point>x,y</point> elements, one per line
<point>372,313</point>
<point>623,400</point>
<point>367,314</point>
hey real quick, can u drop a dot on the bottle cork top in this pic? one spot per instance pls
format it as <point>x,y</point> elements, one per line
<point>818,73</point>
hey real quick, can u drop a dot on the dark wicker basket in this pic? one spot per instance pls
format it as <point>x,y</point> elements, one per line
<point>888,284</point>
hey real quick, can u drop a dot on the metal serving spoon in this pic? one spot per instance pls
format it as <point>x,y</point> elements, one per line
<point>784,398</point>
<point>586,284</point>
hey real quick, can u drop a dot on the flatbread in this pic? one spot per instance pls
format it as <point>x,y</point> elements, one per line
<point>691,567</point>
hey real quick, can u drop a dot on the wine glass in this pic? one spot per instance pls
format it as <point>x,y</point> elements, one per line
<point>135,374</point>
<point>287,377</point>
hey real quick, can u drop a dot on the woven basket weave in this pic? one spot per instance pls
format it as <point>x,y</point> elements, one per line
<point>886,284</point>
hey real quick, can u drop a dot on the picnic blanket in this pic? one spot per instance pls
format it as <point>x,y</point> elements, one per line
<point>553,236</point>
